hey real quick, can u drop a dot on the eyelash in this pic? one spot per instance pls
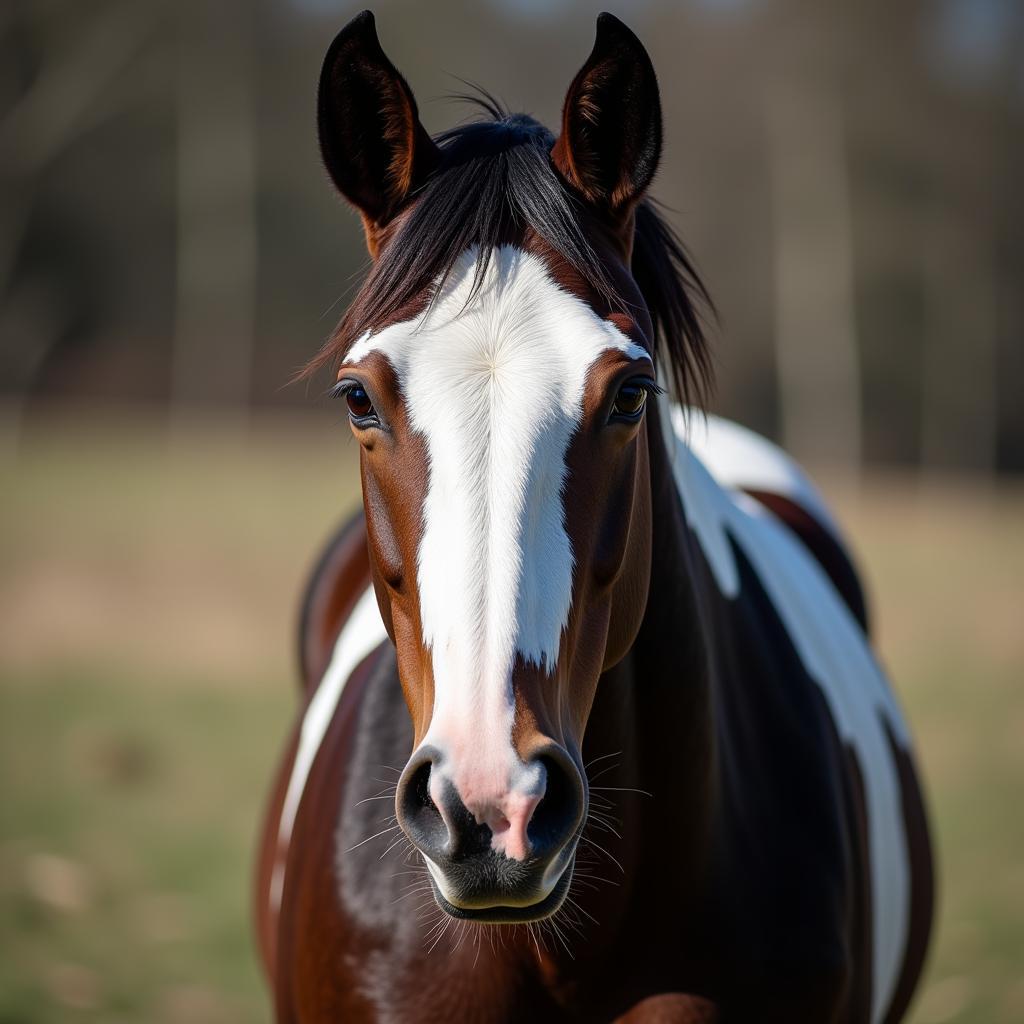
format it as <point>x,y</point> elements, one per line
<point>344,388</point>
<point>651,387</point>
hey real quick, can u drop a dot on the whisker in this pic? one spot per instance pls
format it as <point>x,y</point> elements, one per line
<point>406,895</point>
<point>604,818</point>
<point>588,880</point>
<point>439,921</point>
<point>369,838</point>
<point>392,846</point>
<point>610,856</point>
<point>572,922</point>
<point>590,917</point>
<point>603,827</point>
<point>422,883</point>
<point>536,942</point>
<point>604,771</point>
<point>367,799</point>
<point>623,789</point>
<point>601,757</point>
<point>440,935</point>
<point>464,927</point>
<point>557,932</point>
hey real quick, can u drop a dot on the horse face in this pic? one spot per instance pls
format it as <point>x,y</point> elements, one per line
<point>505,479</point>
<point>504,468</point>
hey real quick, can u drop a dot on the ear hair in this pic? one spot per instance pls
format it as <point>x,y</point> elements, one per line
<point>611,122</point>
<point>372,143</point>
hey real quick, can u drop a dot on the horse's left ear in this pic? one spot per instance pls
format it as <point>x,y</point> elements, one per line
<point>611,122</point>
<point>372,143</point>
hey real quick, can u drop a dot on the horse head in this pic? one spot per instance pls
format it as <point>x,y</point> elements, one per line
<point>498,365</point>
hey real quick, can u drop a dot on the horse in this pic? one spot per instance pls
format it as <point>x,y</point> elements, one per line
<point>592,727</point>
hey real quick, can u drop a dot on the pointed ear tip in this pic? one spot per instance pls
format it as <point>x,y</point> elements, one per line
<point>608,24</point>
<point>362,25</point>
<point>610,28</point>
<point>359,34</point>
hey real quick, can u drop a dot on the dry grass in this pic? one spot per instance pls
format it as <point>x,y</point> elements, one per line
<point>147,593</point>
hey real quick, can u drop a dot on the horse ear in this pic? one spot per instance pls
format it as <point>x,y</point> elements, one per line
<point>611,122</point>
<point>372,143</point>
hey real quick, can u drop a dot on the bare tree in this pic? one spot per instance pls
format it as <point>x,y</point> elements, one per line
<point>216,175</point>
<point>815,333</point>
<point>61,103</point>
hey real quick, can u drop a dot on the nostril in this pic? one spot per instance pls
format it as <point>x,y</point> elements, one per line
<point>558,813</point>
<point>419,786</point>
<point>418,815</point>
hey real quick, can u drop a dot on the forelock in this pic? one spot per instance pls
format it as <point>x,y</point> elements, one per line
<point>495,185</point>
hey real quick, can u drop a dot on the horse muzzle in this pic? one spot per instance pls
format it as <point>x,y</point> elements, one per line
<point>504,853</point>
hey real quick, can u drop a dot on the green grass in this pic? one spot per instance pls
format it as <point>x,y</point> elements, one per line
<point>147,600</point>
<point>128,823</point>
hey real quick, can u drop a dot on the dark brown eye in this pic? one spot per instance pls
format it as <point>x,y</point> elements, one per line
<point>359,404</point>
<point>630,401</point>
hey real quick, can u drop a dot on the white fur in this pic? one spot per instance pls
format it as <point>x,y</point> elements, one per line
<point>496,389</point>
<point>740,459</point>
<point>362,632</point>
<point>836,655</point>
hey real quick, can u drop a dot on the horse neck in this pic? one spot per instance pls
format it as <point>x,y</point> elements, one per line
<point>654,716</point>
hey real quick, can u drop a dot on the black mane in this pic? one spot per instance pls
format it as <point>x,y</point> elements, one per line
<point>495,179</point>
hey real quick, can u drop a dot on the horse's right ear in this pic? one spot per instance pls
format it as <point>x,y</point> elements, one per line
<point>611,123</point>
<point>373,145</point>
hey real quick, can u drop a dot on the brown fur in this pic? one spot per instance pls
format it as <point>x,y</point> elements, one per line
<point>742,876</point>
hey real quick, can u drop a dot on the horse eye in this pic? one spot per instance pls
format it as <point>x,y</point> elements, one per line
<point>630,401</point>
<point>359,404</point>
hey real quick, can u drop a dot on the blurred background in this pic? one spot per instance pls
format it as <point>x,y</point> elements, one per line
<point>848,177</point>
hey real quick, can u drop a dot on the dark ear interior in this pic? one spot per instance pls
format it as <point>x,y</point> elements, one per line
<point>371,139</point>
<point>611,122</point>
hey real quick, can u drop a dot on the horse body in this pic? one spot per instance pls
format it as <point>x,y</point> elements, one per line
<point>755,763</point>
<point>656,772</point>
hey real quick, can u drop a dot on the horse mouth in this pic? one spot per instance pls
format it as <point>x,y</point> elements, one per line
<point>507,913</point>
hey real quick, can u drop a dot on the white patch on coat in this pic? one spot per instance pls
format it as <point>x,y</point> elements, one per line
<point>740,459</point>
<point>495,386</point>
<point>362,633</point>
<point>835,653</point>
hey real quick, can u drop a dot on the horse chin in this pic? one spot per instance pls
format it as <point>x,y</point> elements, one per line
<point>511,912</point>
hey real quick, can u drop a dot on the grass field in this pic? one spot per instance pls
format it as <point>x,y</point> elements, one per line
<point>147,594</point>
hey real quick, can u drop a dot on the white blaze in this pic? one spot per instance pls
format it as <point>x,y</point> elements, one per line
<point>495,385</point>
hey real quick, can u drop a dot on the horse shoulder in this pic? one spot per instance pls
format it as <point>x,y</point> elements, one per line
<point>337,580</point>
<point>744,461</point>
<point>807,646</point>
<point>338,586</point>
